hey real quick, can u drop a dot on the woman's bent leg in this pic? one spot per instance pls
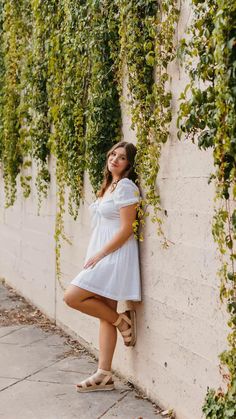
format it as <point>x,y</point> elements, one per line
<point>89,303</point>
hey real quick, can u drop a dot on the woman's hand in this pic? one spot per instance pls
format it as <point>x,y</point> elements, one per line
<point>91,262</point>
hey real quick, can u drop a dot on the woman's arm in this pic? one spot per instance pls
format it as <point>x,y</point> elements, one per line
<point>127,217</point>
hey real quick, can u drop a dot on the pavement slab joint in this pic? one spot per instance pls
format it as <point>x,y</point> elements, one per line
<point>113,405</point>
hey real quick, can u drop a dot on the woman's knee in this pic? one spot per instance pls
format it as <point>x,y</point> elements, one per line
<point>74,297</point>
<point>69,298</point>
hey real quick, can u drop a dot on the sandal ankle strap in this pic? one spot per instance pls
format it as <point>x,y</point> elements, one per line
<point>104,372</point>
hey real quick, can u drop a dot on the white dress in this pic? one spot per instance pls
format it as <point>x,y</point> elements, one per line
<point>116,276</point>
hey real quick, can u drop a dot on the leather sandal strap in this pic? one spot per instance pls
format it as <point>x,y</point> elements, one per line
<point>117,322</point>
<point>127,338</point>
<point>84,383</point>
<point>126,318</point>
<point>92,381</point>
<point>106,378</point>
<point>126,332</point>
<point>104,372</point>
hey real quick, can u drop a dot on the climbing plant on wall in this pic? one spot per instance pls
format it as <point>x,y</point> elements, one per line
<point>38,120</point>
<point>103,112</point>
<point>19,95</point>
<point>67,80</point>
<point>147,47</point>
<point>11,153</point>
<point>25,74</point>
<point>207,114</point>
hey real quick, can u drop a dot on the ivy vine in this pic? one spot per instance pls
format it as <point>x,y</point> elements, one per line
<point>38,119</point>
<point>24,88</point>
<point>67,72</point>
<point>207,113</point>
<point>103,128</point>
<point>11,153</point>
<point>147,47</point>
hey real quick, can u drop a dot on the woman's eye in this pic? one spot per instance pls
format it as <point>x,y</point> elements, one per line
<point>120,157</point>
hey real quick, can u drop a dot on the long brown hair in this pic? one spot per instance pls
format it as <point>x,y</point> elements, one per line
<point>129,173</point>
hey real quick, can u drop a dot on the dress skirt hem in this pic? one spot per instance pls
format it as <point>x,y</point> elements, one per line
<point>105,294</point>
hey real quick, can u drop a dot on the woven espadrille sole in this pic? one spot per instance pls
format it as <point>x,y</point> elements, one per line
<point>107,387</point>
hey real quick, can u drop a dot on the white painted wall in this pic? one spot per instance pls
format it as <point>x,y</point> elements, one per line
<point>181,325</point>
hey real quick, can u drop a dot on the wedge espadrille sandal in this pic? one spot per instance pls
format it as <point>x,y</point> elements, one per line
<point>129,335</point>
<point>100,381</point>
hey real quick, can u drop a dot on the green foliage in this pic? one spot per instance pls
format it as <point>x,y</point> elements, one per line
<point>219,407</point>
<point>103,111</point>
<point>147,47</point>
<point>67,95</point>
<point>207,113</point>
<point>68,74</point>
<point>36,79</point>
<point>11,153</point>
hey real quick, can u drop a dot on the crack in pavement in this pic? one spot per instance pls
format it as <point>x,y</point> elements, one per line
<point>113,404</point>
<point>11,331</point>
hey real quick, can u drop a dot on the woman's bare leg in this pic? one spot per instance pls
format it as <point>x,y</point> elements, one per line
<point>89,303</point>
<point>107,340</point>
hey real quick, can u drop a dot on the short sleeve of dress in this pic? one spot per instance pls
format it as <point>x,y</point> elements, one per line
<point>126,193</point>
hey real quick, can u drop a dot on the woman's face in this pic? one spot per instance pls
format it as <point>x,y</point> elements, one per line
<point>117,162</point>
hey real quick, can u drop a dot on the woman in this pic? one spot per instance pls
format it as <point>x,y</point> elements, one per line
<point>111,270</point>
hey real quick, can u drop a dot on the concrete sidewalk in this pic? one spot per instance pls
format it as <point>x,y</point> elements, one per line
<point>40,365</point>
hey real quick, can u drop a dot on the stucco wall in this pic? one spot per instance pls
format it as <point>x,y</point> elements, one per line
<point>181,325</point>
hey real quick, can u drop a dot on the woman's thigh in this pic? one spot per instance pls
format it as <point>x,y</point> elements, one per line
<point>74,294</point>
<point>77,294</point>
<point>110,303</point>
